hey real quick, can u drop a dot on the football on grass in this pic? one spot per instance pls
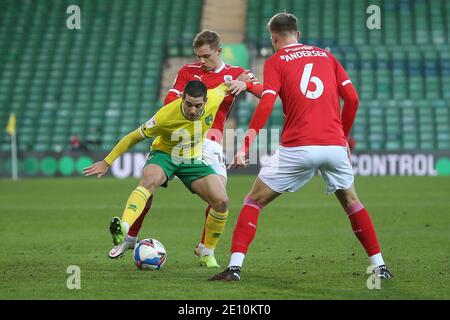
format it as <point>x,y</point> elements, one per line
<point>149,254</point>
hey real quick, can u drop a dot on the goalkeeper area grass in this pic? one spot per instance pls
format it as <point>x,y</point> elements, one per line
<point>304,247</point>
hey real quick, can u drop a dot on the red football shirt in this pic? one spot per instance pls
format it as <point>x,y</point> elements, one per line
<point>308,80</point>
<point>211,79</point>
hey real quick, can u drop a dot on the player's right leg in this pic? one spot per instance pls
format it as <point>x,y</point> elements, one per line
<point>137,225</point>
<point>131,237</point>
<point>153,176</point>
<point>286,171</point>
<point>245,229</point>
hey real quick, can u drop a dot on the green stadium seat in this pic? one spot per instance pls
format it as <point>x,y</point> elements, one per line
<point>70,80</point>
<point>108,74</point>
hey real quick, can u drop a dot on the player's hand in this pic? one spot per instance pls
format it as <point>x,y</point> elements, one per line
<point>239,161</point>
<point>244,76</point>
<point>236,86</point>
<point>99,169</point>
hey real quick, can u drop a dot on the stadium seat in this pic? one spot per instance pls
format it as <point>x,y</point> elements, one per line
<point>402,68</point>
<point>108,73</point>
<point>77,82</point>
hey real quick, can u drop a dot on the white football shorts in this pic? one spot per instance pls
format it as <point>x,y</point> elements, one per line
<point>290,168</point>
<point>213,156</point>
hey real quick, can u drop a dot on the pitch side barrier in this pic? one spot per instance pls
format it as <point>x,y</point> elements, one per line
<point>71,164</point>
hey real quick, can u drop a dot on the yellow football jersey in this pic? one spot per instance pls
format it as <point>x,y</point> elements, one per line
<point>177,135</point>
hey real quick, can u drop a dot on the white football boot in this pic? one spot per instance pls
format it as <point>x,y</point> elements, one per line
<point>119,250</point>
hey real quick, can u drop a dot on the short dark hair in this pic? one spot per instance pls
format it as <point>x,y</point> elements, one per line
<point>195,89</point>
<point>283,24</point>
<point>208,37</point>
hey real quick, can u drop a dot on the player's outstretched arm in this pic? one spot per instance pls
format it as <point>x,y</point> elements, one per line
<point>100,168</point>
<point>252,84</point>
<point>258,121</point>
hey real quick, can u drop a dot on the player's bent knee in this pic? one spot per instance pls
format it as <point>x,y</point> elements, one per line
<point>257,199</point>
<point>220,204</point>
<point>347,197</point>
<point>349,200</point>
<point>262,199</point>
<point>249,201</point>
<point>150,184</point>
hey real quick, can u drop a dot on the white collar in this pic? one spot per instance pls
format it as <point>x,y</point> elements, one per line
<point>220,68</point>
<point>292,45</point>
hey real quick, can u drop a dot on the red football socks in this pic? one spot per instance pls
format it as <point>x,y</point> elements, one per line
<point>245,229</point>
<point>363,228</point>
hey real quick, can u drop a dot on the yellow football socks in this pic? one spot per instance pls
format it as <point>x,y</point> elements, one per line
<point>135,205</point>
<point>215,224</point>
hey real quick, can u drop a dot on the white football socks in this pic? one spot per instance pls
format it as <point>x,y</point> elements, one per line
<point>237,259</point>
<point>207,251</point>
<point>130,238</point>
<point>377,260</point>
<point>126,226</point>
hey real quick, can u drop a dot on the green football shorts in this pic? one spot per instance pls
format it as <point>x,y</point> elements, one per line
<point>187,171</point>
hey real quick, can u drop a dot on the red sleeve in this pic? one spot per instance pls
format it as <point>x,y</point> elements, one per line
<point>348,93</point>
<point>351,101</point>
<point>253,84</point>
<point>342,77</point>
<point>255,88</point>
<point>272,77</point>
<point>177,87</point>
<point>272,85</point>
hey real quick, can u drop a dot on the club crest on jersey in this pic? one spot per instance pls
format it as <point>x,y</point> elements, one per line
<point>227,78</point>
<point>150,123</point>
<point>209,119</point>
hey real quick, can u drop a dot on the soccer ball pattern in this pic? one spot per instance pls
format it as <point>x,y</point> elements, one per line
<point>149,254</point>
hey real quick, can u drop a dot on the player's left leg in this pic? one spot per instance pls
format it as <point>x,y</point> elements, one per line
<point>364,230</point>
<point>200,248</point>
<point>212,152</point>
<point>337,172</point>
<point>211,189</point>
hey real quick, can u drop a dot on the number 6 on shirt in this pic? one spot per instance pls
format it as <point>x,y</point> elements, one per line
<point>306,79</point>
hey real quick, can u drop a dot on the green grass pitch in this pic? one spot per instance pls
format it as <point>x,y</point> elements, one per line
<point>304,247</point>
